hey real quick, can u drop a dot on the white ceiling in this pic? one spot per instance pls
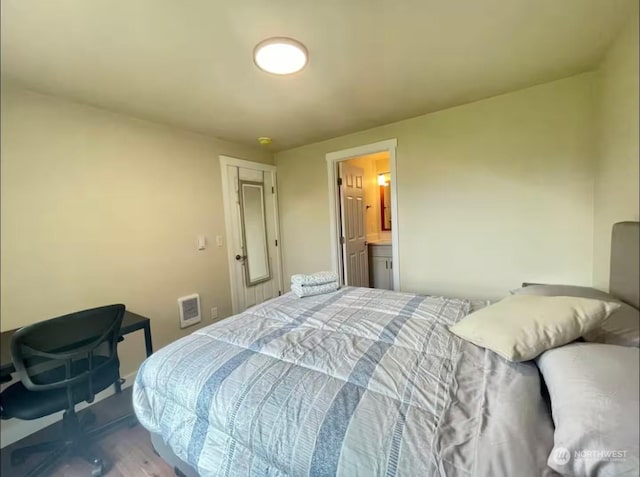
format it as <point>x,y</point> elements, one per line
<point>189,63</point>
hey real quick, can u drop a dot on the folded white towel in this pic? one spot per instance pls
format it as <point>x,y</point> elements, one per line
<point>319,278</point>
<point>310,290</point>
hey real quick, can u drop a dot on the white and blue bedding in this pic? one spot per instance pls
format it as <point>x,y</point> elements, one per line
<point>359,382</point>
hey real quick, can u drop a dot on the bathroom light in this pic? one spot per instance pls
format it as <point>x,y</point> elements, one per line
<point>280,56</point>
<point>382,180</point>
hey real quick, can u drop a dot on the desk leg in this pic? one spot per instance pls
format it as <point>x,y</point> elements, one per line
<point>148,348</point>
<point>147,339</point>
<point>118,383</point>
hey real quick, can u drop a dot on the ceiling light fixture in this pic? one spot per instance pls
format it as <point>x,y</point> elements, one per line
<point>280,56</point>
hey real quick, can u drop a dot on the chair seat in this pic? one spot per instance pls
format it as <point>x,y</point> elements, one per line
<point>17,401</point>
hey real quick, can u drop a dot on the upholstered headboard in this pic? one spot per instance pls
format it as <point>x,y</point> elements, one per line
<point>624,278</point>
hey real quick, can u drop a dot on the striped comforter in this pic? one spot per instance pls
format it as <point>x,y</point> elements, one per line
<point>359,382</point>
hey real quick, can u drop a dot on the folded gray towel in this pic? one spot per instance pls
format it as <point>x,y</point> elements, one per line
<point>310,290</point>
<point>319,278</point>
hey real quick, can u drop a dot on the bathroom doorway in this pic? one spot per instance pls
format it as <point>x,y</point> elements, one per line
<point>363,222</point>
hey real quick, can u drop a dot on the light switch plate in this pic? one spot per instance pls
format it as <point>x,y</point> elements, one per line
<point>214,312</point>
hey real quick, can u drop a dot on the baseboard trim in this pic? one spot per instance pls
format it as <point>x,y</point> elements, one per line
<point>12,430</point>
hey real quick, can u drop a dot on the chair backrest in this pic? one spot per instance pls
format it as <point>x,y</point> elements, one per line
<point>46,354</point>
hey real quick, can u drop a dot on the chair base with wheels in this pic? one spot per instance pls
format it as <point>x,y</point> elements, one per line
<point>78,441</point>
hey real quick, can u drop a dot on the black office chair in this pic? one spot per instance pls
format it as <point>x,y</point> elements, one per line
<point>62,362</point>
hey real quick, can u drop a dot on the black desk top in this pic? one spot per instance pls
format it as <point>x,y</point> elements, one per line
<point>130,322</point>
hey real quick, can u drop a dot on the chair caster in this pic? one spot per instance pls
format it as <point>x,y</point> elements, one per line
<point>17,458</point>
<point>98,468</point>
<point>132,422</point>
<point>88,419</point>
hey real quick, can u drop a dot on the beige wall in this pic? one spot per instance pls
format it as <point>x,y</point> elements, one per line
<point>616,186</point>
<point>490,194</point>
<point>100,208</point>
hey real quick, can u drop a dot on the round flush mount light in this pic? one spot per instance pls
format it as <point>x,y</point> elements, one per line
<point>280,56</point>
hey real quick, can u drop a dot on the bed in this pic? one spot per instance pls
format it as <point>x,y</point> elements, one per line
<point>359,382</point>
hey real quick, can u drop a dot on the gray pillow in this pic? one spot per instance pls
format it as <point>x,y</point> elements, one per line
<point>621,328</point>
<point>594,390</point>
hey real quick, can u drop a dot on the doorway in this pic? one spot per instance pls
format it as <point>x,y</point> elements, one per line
<point>363,212</point>
<point>249,191</point>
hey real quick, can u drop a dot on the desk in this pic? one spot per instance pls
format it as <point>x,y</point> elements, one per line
<point>130,323</point>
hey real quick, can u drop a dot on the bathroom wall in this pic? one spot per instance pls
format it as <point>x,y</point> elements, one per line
<point>382,167</point>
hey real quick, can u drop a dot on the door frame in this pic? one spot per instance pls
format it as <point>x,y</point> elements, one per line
<point>229,206</point>
<point>333,158</point>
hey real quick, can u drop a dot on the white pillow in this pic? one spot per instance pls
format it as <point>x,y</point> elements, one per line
<point>520,327</point>
<point>594,401</point>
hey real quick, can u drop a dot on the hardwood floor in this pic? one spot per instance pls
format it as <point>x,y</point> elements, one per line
<point>127,450</point>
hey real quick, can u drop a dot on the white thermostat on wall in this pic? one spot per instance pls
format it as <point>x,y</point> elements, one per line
<point>189,308</point>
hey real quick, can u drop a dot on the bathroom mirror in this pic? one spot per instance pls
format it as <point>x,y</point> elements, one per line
<point>384,181</point>
<point>254,233</point>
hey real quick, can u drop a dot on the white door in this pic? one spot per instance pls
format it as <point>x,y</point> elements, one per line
<point>252,232</point>
<point>354,233</point>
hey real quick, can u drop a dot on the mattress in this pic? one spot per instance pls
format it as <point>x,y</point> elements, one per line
<point>359,382</point>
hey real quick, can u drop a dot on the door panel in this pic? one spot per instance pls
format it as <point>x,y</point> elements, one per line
<point>360,208</point>
<point>247,296</point>
<point>353,218</point>
<point>363,271</point>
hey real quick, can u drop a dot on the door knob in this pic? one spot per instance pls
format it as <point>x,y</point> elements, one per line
<point>240,257</point>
